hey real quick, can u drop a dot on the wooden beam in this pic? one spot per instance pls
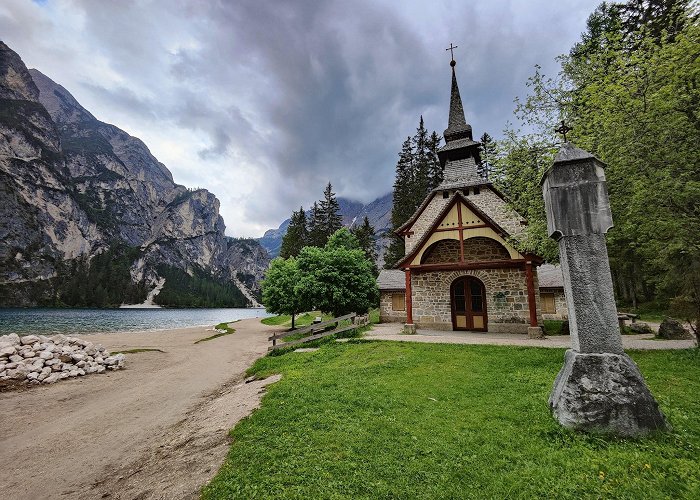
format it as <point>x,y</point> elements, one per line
<point>456,228</point>
<point>461,232</point>
<point>409,299</point>
<point>531,293</point>
<point>456,266</point>
<point>312,337</point>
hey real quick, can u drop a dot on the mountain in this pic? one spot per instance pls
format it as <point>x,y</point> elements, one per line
<point>75,188</point>
<point>353,212</point>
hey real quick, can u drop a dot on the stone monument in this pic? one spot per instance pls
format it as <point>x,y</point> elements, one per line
<point>599,389</point>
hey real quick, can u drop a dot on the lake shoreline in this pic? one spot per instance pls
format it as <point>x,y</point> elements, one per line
<point>51,321</point>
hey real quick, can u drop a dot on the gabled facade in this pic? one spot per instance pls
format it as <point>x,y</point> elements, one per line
<point>461,270</point>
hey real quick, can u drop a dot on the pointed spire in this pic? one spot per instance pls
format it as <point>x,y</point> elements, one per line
<point>457,126</point>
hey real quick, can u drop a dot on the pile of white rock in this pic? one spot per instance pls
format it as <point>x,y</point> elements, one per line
<point>40,359</point>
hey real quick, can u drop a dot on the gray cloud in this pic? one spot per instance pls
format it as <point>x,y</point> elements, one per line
<point>273,99</point>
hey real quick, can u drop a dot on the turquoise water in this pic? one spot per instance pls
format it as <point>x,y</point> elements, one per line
<point>68,321</point>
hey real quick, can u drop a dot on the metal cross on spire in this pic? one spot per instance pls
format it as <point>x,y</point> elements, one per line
<point>451,49</point>
<point>563,129</point>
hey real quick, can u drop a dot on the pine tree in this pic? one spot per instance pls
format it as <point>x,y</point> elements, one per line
<point>435,171</point>
<point>367,239</point>
<point>488,156</point>
<point>421,164</point>
<point>402,202</point>
<point>329,214</point>
<point>315,231</point>
<point>297,236</point>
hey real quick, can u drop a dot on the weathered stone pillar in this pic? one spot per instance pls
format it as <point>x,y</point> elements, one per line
<point>599,389</point>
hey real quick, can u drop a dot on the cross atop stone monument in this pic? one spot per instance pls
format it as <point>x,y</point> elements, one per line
<point>599,389</point>
<point>563,129</point>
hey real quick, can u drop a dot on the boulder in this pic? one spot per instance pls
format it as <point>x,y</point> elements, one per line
<point>16,358</point>
<point>46,355</point>
<point>28,339</point>
<point>28,354</point>
<point>12,338</point>
<point>604,393</point>
<point>65,358</point>
<point>672,329</point>
<point>640,328</point>
<point>51,378</point>
<point>8,350</point>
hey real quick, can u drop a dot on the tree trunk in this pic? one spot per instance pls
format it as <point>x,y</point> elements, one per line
<point>293,320</point>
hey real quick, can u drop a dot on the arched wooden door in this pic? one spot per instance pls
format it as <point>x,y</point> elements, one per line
<point>468,298</point>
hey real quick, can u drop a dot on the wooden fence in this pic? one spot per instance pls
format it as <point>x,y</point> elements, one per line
<point>316,331</point>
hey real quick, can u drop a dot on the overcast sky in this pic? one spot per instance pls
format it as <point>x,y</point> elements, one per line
<point>263,102</point>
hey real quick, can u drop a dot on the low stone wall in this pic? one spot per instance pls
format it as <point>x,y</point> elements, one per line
<point>386,312</point>
<point>40,359</point>
<point>506,299</point>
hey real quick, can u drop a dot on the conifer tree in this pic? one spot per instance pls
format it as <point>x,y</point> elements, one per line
<point>488,156</point>
<point>329,215</point>
<point>402,203</point>
<point>367,239</point>
<point>297,236</point>
<point>435,171</point>
<point>421,164</point>
<point>315,230</point>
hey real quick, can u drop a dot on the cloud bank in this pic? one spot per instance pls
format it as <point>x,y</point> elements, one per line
<point>263,103</point>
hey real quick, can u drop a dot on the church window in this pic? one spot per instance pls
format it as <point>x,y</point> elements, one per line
<point>445,194</point>
<point>477,190</point>
<point>398,301</point>
<point>547,303</point>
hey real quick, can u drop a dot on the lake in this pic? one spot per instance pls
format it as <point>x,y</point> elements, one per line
<point>69,321</point>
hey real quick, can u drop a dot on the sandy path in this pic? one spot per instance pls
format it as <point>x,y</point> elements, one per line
<point>157,429</point>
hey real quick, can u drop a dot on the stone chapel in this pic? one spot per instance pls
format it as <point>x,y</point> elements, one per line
<point>460,270</point>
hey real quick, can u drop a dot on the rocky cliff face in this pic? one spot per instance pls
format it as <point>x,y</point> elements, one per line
<point>72,186</point>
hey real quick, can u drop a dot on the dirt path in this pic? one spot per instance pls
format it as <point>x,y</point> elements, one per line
<point>158,429</point>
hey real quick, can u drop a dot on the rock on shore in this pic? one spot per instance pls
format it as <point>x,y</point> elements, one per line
<point>40,359</point>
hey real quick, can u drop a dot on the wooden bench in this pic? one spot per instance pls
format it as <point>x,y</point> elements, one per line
<point>316,331</point>
<point>623,316</point>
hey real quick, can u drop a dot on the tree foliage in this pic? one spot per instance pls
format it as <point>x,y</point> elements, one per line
<point>297,235</point>
<point>336,279</point>
<point>631,90</point>
<point>367,241</point>
<point>282,291</point>
<point>418,172</point>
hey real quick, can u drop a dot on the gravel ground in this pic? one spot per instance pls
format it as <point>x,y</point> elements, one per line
<point>392,331</point>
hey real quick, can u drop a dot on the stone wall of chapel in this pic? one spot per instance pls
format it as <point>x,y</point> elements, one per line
<point>506,299</point>
<point>425,220</point>
<point>562,311</point>
<point>386,311</point>
<point>498,210</point>
<point>441,252</point>
<point>480,249</point>
<point>477,249</point>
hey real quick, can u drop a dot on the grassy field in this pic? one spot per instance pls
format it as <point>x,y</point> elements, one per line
<point>402,420</point>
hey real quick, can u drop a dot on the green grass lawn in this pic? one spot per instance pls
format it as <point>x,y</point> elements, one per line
<point>403,420</point>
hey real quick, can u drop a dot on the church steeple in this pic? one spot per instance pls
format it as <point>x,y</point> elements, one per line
<point>457,126</point>
<point>459,156</point>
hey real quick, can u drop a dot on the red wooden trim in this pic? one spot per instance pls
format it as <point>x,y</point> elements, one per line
<point>461,233</point>
<point>456,266</point>
<point>409,299</point>
<point>531,293</point>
